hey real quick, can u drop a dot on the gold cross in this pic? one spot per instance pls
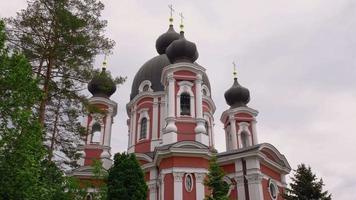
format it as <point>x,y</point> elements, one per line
<point>105,62</point>
<point>235,72</point>
<point>181,21</point>
<point>170,6</point>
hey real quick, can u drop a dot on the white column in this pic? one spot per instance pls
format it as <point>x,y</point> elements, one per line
<point>239,178</point>
<point>162,187</point>
<point>198,96</point>
<point>155,119</point>
<point>153,191</point>
<point>171,92</point>
<point>108,126</point>
<point>153,184</point>
<point>254,132</point>
<point>154,141</point>
<point>162,108</point>
<point>254,178</point>
<point>240,186</point>
<point>233,132</point>
<point>178,185</point>
<point>131,148</point>
<point>199,182</point>
<point>170,135</point>
<point>255,186</point>
<point>200,131</point>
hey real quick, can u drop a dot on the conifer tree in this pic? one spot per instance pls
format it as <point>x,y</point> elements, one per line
<point>23,174</point>
<point>306,186</point>
<point>215,182</point>
<point>126,179</point>
<point>61,38</point>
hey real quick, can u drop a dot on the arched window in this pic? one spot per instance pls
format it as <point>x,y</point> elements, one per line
<point>273,189</point>
<point>146,88</point>
<point>185,104</point>
<point>143,131</point>
<point>96,133</point>
<point>244,139</point>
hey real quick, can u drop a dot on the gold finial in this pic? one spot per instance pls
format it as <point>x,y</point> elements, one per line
<point>105,62</point>
<point>181,26</point>
<point>170,6</point>
<point>235,72</point>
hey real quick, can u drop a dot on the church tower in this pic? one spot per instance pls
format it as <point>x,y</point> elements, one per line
<point>98,123</point>
<point>239,120</point>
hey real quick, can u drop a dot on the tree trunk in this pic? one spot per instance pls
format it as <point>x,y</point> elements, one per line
<point>53,139</point>
<point>45,93</point>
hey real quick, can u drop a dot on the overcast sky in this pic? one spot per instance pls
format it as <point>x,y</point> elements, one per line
<point>298,58</point>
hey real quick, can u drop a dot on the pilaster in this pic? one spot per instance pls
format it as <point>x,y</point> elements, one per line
<point>199,182</point>
<point>178,185</point>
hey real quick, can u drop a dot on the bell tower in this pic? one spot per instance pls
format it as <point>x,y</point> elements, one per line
<point>239,120</point>
<point>99,120</point>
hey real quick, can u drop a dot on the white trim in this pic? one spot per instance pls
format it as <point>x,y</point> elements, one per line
<point>187,188</point>
<point>112,105</point>
<point>243,128</point>
<point>199,183</point>
<point>184,170</point>
<point>273,182</point>
<point>143,114</point>
<point>155,119</point>
<point>229,182</point>
<point>185,87</point>
<point>193,67</point>
<point>178,186</point>
<point>234,111</point>
<point>143,84</point>
<point>204,87</point>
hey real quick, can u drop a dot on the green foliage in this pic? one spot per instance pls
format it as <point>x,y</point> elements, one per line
<point>61,39</point>
<point>126,179</point>
<point>24,171</point>
<point>215,182</point>
<point>21,148</point>
<point>306,186</point>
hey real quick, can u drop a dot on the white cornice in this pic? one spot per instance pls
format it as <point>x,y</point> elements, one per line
<point>233,111</point>
<point>194,67</point>
<point>105,101</point>
<point>141,96</point>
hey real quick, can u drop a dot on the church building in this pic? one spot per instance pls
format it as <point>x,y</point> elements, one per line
<point>170,129</point>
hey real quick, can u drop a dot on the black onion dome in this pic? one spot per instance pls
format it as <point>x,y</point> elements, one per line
<point>102,85</point>
<point>237,95</point>
<point>152,71</point>
<point>164,40</point>
<point>182,50</point>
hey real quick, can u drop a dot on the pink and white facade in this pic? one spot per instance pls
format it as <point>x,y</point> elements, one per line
<point>170,129</point>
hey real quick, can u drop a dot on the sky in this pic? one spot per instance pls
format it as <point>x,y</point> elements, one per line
<point>297,57</point>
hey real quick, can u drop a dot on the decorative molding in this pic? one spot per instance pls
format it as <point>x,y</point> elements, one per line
<point>254,178</point>
<point>185,87</point>
<point>200,177</point>
<point>189,182</point>
<point>207,91</point>
<point>178,176</point>
<point>143,84</point>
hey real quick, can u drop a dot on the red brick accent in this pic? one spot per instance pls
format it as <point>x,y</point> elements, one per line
<point>168,187</point>
<point>194,162</point>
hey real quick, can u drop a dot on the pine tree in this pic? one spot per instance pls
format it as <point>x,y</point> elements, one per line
<point>215,182</point>
<point>126,179</point>
<point>61,39</point>
<point>22,154</point>
<point>306,186</point>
